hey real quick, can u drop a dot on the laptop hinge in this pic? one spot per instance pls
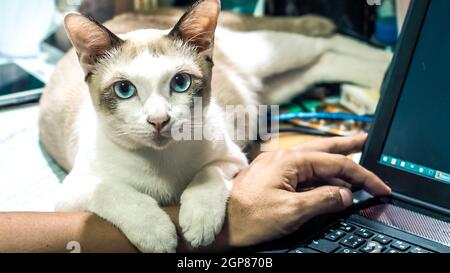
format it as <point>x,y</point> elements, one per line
<point>422,204</point>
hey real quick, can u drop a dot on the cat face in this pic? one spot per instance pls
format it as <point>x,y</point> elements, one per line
<point>142,89</point>
<point>145,82</point>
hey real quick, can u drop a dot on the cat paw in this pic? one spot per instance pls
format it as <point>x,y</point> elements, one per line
<point>161,238</point>
<point>200,224</point>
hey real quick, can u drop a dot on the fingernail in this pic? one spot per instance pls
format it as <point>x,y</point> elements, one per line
<point>389,189</point>
<point>347,197</point>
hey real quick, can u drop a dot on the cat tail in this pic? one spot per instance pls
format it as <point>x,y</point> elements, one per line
<point>349,46</point>
<point>345,61</point>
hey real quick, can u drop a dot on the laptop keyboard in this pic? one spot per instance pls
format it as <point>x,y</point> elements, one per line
<point>345,237</point>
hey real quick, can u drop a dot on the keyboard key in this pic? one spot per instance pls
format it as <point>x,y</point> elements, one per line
<point>382,239</point>
<point>335,235</point>
<point>362,232</point>
<point>353,241</point>
<point>418,250</point>
<point>402,246</point>
<point>348,251</point>
<point>302,250</point>
<point>346,227</point>
<point>393,251</point>
<point>324,246</point>
<point>373,247</point>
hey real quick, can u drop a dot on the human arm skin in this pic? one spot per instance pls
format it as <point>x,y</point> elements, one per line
<point>264,203</point>
<point>41,232</point>
<point>48,232</point>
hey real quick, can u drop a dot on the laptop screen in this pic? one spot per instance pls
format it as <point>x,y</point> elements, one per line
<point>418,141</point>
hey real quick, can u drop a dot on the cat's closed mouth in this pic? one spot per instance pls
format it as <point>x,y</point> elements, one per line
<point>161,140</point>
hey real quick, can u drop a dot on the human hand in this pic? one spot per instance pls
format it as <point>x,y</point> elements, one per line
<point>267,201</point>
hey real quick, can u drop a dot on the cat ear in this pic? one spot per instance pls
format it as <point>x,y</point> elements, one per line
<point>198,25</point>
<point>90,39</point>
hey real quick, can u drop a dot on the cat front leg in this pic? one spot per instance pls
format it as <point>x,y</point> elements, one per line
<point>136,214</point>
<point>203,205</point>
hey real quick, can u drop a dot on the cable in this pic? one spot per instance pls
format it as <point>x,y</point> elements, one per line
<point>307,131</point>
<point>321,115</point>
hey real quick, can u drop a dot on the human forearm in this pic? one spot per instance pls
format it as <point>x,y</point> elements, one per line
<point>51,232</point>
<point>42,232</point>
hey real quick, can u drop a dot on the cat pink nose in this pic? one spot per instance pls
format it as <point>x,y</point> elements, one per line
<point>159,122</point>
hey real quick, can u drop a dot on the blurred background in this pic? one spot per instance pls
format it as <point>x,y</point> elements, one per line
<point>29,22</point>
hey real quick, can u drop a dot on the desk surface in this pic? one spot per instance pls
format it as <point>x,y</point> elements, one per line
<point>287,140</point>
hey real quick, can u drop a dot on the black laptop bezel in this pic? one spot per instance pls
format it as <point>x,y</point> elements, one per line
<point>414,187</point>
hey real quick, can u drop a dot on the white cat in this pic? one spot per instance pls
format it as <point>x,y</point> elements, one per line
<point>113,131</point>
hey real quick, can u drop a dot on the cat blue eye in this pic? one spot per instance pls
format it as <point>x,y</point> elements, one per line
<point>181,83</point>
<point>124,89</point>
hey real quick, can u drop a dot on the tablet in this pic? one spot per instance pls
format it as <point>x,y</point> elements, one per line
<point>17,86</point>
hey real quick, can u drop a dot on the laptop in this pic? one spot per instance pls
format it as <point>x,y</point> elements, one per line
<point>408,147</point>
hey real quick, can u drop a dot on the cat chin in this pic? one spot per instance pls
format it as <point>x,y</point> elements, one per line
<point>160,147</point>
<point>157,143</point>
<point>160,143</point>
